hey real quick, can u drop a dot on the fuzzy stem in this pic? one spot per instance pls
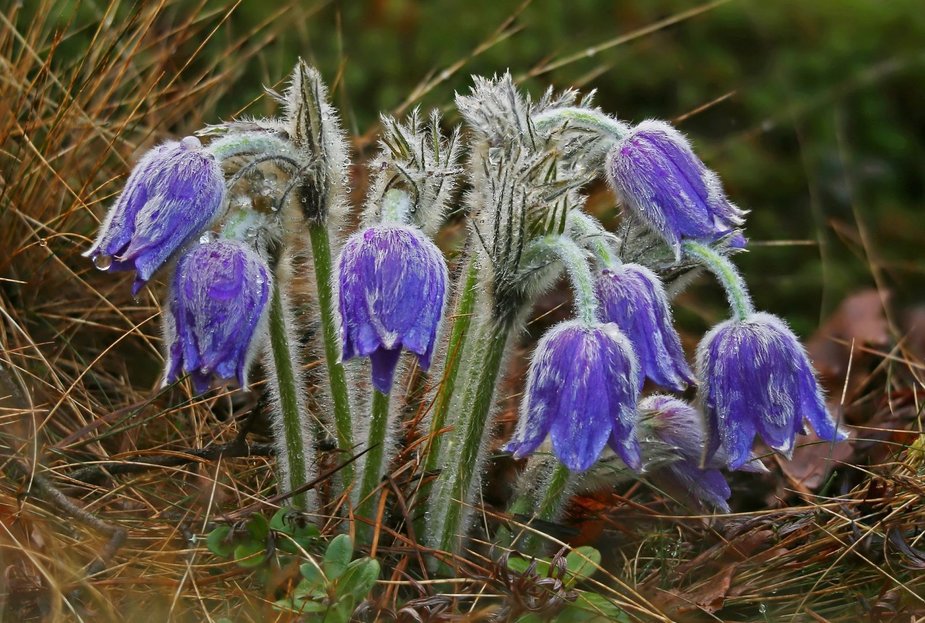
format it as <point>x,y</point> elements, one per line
<point>462,320</point>
<point>588,227</point>
<point>739,300</point>
<point>580,275</point>
<point>284,377</point>
<point>586,118</point>
<point>343,424</point>
<point>396,206</point>
<point>262,143</point>
<point>552,502</point>
<point>461,468</point>
<point>374,466</point>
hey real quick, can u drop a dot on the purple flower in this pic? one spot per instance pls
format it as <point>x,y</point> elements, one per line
<point>391,284</point>
<point>633,297</point>
<point>679,425</point>
<point>582,388</point>
<point>217,312</point>
<point>171,196</point>
<point>657,175</point>
<point>757,379</point>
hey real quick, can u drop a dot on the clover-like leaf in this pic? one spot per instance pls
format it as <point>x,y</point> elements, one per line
<point>337,556</point>
<point>359,578</point>
<point>219,543</point>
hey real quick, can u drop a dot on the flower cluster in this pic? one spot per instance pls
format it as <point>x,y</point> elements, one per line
<point>219,289</point>
<point>384,288</point>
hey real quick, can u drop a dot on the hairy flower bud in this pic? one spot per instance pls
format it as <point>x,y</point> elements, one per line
<point>216,317</point>
<point>582,388</point>
<point>171,196</point>
<point>658,176</point>
<point>679,425</point>
<point>391,284</point>
<point>757,379</point>
<point>633,297</point>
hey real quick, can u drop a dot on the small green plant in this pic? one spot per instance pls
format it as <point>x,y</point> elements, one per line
<point>255,542</point>
<point>331,590</point>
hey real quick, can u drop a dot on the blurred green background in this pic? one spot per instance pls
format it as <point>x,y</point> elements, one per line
<point>811,111</point>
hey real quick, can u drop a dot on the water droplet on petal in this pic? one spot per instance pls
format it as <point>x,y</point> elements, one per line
<point>102,262</point>
<point>191,143</point>
<point>207,237</point>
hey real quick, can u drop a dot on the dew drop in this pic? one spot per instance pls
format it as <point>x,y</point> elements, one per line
<point>207,237</point>
<point>102,262</point>
<point>494,155</point>
<point>43,242</point>
<point>190,143</point>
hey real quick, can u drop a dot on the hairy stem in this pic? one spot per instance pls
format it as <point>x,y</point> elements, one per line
<point>585,118</point>
<point>262,143</point>
<point>460,469</point>
<point>550,505</point>
<point>462,320</point>
<point>740,301</point>
<point>588,227</point>
<point>284,377</point>
<point>343,424</point>
<point>375,461</point>
<point>579,273</point>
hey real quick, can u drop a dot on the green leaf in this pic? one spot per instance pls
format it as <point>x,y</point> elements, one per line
<point>337,557</point>
<point>300,605</point>
<point>582,562</point>
<point>359,578</point>
<point>529,618</point>
<point>281,522</point>
<point>341,612</point>
<point>219,542</point>
<point>250,554</point>
<point>312,573</point>
<point>592,608</point>
<point>520,565</point>
<point>258,528</point>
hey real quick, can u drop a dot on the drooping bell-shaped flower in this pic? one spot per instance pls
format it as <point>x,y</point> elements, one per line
<point>391,283</point>
<point>756,378</point>
<point>216,318</point>
<point>659,177</point>
<point>582,388</point>
<point>679,425</point>
<point>173,193</point>
<point>633,297</point>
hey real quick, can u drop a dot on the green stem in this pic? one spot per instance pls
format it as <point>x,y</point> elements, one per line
<point>580,275</point>
<point>396,206</point>
<point>373,469</point>
<point>739,300</point>
<point>585,226</point>
<point>586,118</point>
<point>460,468</point>
<point>551,504</point>
<point>288,390</point>
<point>262,143</point>
<point>321,253</point>
<point>462,320</point>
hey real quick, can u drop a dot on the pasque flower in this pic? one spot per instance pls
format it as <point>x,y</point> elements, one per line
<point>216,312</point>
<point>679,425</point>
<point>582,388</point>
<point>633,297</point>
<point>391,284</point>
<point>172,194</point>
<point>756,378</point>
<point>659,177</point>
